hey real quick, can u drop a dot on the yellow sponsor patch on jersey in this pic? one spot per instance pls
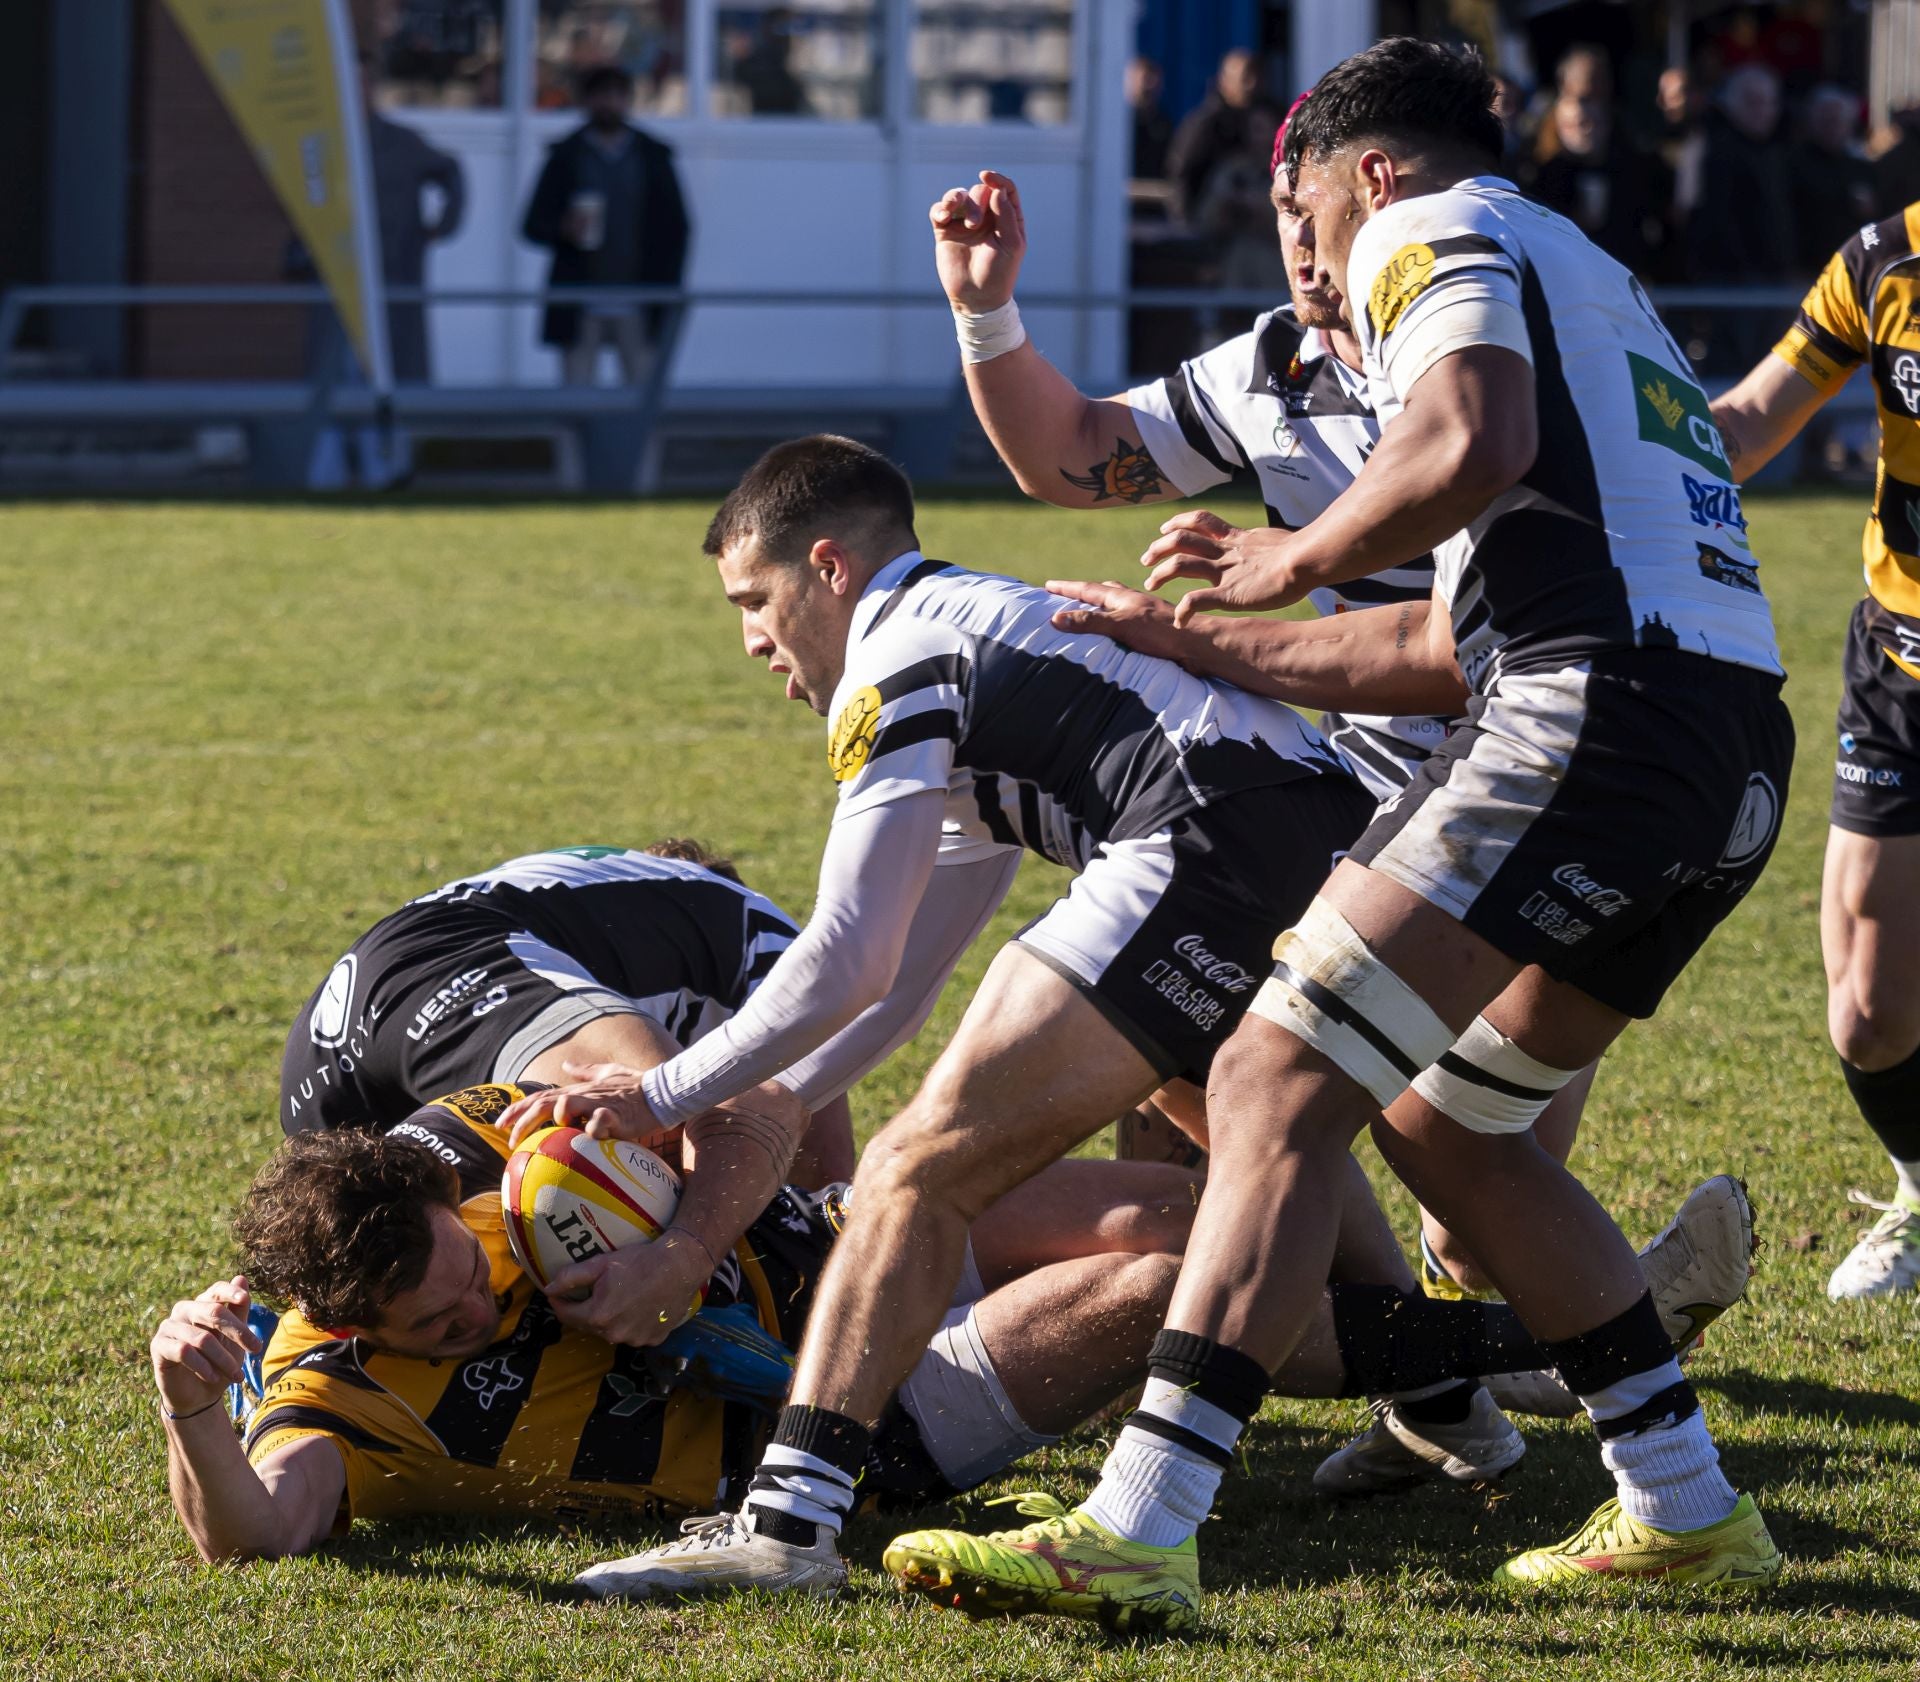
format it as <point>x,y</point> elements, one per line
<point>1408,273</point>
<point>851,740</point>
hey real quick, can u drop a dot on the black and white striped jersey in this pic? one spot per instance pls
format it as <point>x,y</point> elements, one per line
<point>958,681</point>
<point>1274,406</point>
<point>1626,531</point>
<point>687,946</point>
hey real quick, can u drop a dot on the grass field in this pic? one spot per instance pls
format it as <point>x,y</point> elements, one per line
<point>234,736</point>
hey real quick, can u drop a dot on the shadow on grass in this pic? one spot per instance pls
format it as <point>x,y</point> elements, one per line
<point>447,1548</point>
<point>1810,1398</point>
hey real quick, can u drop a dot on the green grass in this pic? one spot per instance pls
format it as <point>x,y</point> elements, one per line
<point>233,736</point>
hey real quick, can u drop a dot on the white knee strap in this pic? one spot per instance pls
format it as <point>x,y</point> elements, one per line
<point>1330,989</point>
<point>1487,1083</point>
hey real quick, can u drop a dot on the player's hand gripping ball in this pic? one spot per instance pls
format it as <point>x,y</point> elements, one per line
<point>566,1197</point>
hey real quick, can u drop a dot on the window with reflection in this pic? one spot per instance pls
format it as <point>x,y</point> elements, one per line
<point>993,61</point>
<point>810,58</point>
<point>646,38</point>
<point>437,52</point>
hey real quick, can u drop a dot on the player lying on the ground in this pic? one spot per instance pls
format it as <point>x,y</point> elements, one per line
<point>1282,409</point>
<point>1615,793</point>
<point>1866,306</point>
<point>422,1374</point>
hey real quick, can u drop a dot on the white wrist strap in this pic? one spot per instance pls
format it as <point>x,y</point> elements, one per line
<point>983,337</point>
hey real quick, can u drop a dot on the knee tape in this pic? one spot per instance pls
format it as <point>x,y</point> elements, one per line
<point>1488,1084</point>
<point>1329,989</point>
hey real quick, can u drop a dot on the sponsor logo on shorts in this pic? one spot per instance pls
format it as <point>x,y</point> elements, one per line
<point>1724,569</point>
<point>1673,413</point>
<point>1554,920</point>
<point>1866,776</point>
<point>1753,826</point>
<point>334,1008</point>
<point>1222,972</point>
<point>1717,506</point>
<point>445,998</point>
<point>1185,994</point>
<point>1608,902</point>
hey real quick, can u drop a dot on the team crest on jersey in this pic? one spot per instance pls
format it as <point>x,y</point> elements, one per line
<point>1408,273</point>
<point>1905,379</point>
<point>851,741</point>
<point>1285,439</point>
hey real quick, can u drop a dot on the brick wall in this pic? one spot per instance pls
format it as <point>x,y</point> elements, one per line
<point>203,214</point>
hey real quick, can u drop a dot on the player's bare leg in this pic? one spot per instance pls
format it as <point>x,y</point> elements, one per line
<point>1870,937</point>
<point>1448,1265</point>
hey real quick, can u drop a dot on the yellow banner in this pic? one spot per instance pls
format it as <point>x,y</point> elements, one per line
<point>287,71</point>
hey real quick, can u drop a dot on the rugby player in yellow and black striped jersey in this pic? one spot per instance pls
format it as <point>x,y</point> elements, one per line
<point>1865,310</point>
<point>421,1374</point>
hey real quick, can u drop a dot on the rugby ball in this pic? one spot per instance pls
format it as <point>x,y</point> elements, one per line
<point>566,1197</point>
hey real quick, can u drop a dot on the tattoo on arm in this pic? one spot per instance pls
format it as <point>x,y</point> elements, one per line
<point>1128,475</point>
<point>1403,627</point>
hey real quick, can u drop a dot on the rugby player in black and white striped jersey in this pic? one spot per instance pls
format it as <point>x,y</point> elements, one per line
<point>1285,407</point>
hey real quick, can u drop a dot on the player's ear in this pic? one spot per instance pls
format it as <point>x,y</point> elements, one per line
<point>831,565</point>
<point>1375,179</point>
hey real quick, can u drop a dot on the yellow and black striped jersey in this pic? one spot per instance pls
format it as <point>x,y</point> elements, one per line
<point>1865,307</point>
<point>546,1420</point>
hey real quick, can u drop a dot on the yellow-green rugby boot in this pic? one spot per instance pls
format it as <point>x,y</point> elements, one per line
<point>1736,1553</point>
<point>1062,1563</point>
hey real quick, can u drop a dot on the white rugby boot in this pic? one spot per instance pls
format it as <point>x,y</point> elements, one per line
<point>1698,1267</point>
<point>716,1555</point>
<point>1886,1261</point>
<point>1397,1453</point>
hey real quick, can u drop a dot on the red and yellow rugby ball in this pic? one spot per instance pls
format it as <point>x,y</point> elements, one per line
<point>566,1197</point>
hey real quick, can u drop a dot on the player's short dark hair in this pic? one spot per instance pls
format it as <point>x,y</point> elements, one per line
<point>340,1223</point>
<point>1403,89</point>
<point>605,78</point>
<point>690,851</point>
<point>810,488</point>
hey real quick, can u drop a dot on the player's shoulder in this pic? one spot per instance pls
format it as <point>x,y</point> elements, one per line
<point>1877,246</point>
<point>461,1129</point>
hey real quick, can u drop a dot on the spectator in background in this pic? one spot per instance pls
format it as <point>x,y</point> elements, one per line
<point>1510,106</point>
<point>1896,172</point>
<point>1230,129</point>
<point>760,62</point>
<point>1619,196</point>
<point>1741,229</point>
<point>1152,127</point>
<point>1682,140</point>
<point>609,207</point>
<point>1830,178</point>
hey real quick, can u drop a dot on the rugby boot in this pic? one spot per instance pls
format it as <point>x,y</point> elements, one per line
<point>1542,1393</point>
<point>1887,1260</point>
<point>1698,1267</point>
<point>1394,1452</point>
<point>1737,1553</point>
<point>1062,1563</point>
<point>716,1555</point>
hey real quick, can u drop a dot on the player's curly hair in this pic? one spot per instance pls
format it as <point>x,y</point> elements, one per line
<point>1400,89</point>
<point>340,1223</point>
<point>689,851</point>
<point>810,488</point>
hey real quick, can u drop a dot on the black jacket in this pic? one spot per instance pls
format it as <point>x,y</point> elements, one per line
<point>662,234</point>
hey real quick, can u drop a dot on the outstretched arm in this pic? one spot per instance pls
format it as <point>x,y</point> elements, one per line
<point>231,1509</point>
<point>1062,446</point>
<point>1764,412</point>
<point>1393,659</point>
